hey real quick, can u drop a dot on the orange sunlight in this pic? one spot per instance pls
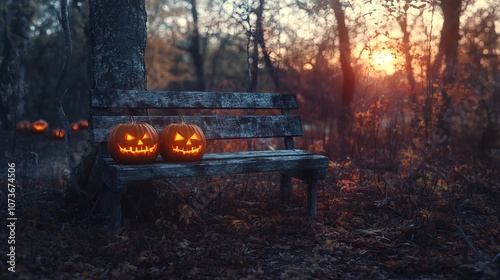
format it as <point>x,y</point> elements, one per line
<point>383,61</point>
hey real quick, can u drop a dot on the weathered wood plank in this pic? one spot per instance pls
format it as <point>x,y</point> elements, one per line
<point>186,99</point>
<point>216,167</point>
<point>214,127</point>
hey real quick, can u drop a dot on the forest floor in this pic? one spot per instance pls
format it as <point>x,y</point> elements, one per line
<point>440,220</point>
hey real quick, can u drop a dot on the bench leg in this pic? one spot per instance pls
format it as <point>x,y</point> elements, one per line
<point>112,206</point>
<point>312,197</point>
<point>285,186</point>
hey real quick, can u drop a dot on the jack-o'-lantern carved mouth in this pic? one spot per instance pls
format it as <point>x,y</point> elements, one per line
<point>140,150</point>
<point>187,151</point>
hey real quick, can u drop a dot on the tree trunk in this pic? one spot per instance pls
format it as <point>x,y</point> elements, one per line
<point>15,15</point>
<point>118,43</point>
<point>403,23</point>
<point>195,49</point>
<point>448,48</point>
<point>448,44</point>
<point>259,36</point>
<point>253,64</point>
<point>345,64</point>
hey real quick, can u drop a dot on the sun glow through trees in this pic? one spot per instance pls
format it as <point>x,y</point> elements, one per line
<point>383,61</point>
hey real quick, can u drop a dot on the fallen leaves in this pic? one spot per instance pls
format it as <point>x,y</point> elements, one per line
<point>380,225</point>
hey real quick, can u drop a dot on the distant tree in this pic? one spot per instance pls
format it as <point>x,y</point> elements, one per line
<point>14,20</point>
<point>165,64</point>
<point>399,11</point>
<point>448,44</point>
<point>345,53</point>
<point>195,48</point>
<point>448,51</point>
<point>259,37</point>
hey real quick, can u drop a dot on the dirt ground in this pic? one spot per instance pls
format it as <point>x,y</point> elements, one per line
<point>443,223</point>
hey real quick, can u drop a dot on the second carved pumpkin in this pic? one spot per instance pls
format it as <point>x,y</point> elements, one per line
<point>182,142</point>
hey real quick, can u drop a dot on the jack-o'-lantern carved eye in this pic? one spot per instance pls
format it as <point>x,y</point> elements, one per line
<point>129,137</point>
<point>178,137</point>
<point>194,137</point>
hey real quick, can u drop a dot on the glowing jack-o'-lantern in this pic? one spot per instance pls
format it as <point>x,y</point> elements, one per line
<point>58,133</point>
<point>133,143</point>
<point>74,126</point>
<point>182,142</point>
<point>39,126</point>
<point>83,124</point>
<point>23,126</point>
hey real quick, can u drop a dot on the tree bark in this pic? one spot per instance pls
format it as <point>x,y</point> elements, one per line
<point>345,116</point>
<point>118,43</point>
<point>448,47</point>
<point>259,36</point>
<point>345,54</point>
<point>15,16</point>
<point>195,49</point>
<point>403,24</point>
<point>448,44</point>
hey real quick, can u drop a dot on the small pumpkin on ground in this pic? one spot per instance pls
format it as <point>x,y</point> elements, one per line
<point>133,143</point>
<point>74,126</point>
<point>182,142</point>
<point>83,124</point>
<point>58,133</point>
<point>40,126</point>
<point>23,126</point>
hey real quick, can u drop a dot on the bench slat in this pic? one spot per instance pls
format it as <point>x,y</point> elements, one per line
<point>214,127</point>
<point>221,163</point>
<point>189,99</point>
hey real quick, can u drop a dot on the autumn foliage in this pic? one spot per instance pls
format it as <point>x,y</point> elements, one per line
<point>413,186</point>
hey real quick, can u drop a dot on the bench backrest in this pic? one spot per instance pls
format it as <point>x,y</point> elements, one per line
<point>215,126</point>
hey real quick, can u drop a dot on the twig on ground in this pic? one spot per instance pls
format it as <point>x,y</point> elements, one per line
<point>462,233</point>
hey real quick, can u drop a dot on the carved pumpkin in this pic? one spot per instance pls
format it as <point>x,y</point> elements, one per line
<point>182,142</point>
<point>74,126</point>
<point>83,124</point>
<point>39,126</point>
<point>133,143</point>
<point>23,126</point>
<point>58,133</point>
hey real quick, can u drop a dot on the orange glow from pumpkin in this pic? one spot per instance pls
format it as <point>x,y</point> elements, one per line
<point>39,126</point>
<point>192,151</point>
<point>58,133</point>
<point>187,150</point>
<point>23,126</point>
<point>178,137</point>
<point>137,151</point>
<point>83,124</point>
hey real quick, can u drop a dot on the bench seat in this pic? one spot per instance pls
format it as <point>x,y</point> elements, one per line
<point>291,162</point>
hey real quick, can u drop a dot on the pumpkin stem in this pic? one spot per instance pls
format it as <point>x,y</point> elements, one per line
<point>182,120</point>
<point>132,119</point>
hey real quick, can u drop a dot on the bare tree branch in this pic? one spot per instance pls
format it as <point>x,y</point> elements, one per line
<point>63,19</point>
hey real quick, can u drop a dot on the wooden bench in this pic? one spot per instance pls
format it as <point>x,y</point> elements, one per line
<point>288,161</point>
